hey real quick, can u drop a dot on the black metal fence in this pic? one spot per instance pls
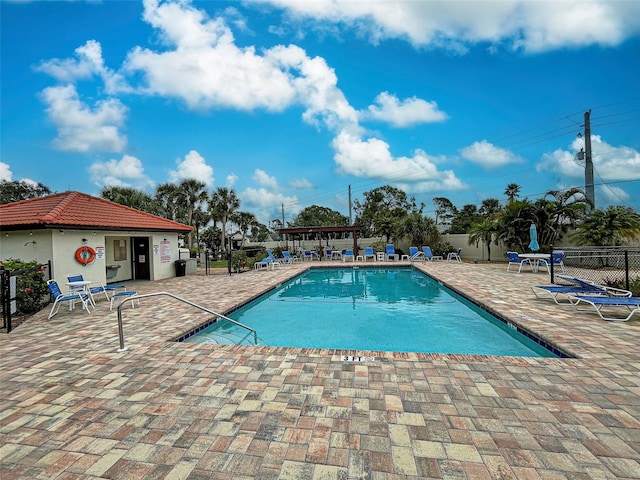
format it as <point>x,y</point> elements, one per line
<point>23,292</point>
<point>612,266</point>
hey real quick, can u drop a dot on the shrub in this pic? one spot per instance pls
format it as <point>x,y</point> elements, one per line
<point>378,246</point>
<point>442,249</point>
<point>239,261</point>
<point>32,293</point>
<point>634,286</point>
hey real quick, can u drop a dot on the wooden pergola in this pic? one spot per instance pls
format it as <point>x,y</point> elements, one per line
<point>353,229</point>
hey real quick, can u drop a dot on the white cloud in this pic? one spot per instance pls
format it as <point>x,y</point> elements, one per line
<point>126,172</point>
<point>87,64</point>
<point>613,194</point>
<point>411,111</point>
<point>193,166</point>
<point>531,25</point>
<point>610,163</point>
<point>488,155</point>
<point>371,158</point>
<point>264,179</point>
<point>266,205</point>
<point>231,180</point>
<point>6,175</point>
<point>301,183</point>
<point>5,172</point>
<point>80,127</point>
<point>206,69</point>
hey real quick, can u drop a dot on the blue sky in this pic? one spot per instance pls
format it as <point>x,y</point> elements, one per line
<point>289,103</point>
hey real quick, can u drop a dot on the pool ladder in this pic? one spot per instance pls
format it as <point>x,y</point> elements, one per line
<point>184,300</point>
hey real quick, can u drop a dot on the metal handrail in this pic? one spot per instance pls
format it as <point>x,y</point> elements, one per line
<point>212,312</point>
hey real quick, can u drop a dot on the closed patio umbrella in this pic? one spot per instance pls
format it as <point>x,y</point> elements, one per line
<point>533,236</point>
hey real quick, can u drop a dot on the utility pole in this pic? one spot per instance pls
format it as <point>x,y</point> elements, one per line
<point>283,235</point>
<point>350,222</point>
<point>588,164</point>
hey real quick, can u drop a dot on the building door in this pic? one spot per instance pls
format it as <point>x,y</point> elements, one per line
<point>141,258</point>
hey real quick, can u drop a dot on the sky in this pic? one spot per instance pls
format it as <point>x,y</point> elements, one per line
<point>297,103</point>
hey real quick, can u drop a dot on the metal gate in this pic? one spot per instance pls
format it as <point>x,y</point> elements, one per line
<point>12,292</point>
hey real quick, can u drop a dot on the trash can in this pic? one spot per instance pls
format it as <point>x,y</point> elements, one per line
<point>181,268</point>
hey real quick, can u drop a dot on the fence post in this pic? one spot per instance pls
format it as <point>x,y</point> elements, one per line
<point>551,263</point>
<point>6,298</point>
<point>626,268</point>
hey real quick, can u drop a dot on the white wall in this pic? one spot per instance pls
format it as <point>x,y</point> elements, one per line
<point>60,247</point>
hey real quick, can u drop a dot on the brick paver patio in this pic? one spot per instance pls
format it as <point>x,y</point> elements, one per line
<point>72,406</point>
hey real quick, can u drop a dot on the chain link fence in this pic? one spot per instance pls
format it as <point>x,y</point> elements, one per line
<point>612,266</point>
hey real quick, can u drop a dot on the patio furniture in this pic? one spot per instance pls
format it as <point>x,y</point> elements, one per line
<point>598,302</point>
<point>69,297</point>
<point>122,296</point>
<point>585,288</point>
<point>77,282</point>
<point>390,253</point>
<point>514,259</point>
<point>557,258</point>
<point>368,253</point>
<point>454,255</point>
<point>428,253</point>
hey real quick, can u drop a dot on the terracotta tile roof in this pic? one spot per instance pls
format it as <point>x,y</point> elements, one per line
<point>79,210</point>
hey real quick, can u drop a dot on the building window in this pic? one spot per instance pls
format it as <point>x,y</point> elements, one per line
<point>119,250</point>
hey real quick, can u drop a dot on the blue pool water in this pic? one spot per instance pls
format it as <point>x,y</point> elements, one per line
<point>399,309</point>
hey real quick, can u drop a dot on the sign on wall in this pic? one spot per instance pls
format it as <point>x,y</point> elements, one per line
<point>165,251</point>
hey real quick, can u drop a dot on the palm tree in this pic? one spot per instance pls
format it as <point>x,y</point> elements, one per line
<point>420,230</point>
<point>244,221</point>
<point>166,196</point>
<point>191,192</point>
<point>490,207</point>
<point>482,231</point>
<point>223,203</point>
<point>199,218</point>
<point>513,222</point>
<point>512,192</point>
<point>131,198</point>
<point>608,227</point>
<point>563,211</point>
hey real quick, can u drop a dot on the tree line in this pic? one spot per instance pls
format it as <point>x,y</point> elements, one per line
<point>386,212</point>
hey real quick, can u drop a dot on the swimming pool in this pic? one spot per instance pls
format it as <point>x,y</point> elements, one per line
<point>375,309</point>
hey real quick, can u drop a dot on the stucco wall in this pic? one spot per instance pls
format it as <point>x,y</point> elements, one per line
<point>60,245</point>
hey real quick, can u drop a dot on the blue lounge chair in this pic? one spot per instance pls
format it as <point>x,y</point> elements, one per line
<point>579,287</point>
<point>274,258</point>
<point>267,263</point>
<point>514,259</point>
<point>598,302</point>
<point>368,253</point>
<point>69,297</point>
<point>416,254</point>
<point>428,254</point>
<point>390,253</point>
<point>454,255</point>
<point>290,259</point>
<point>348,253</point>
